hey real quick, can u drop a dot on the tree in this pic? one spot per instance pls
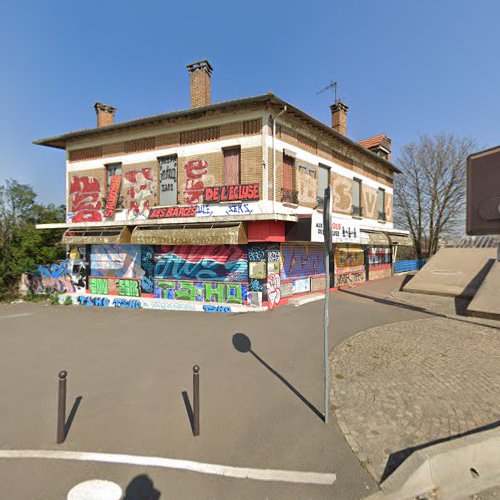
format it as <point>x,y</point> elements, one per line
<point>22,247</point>
<point>429,196</point>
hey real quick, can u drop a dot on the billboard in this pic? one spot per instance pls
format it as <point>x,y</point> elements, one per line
<point>483,192</point>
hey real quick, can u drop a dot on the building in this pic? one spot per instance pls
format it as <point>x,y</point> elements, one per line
<point>219,207</point>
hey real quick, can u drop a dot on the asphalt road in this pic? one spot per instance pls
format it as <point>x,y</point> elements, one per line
<point>260,409</point>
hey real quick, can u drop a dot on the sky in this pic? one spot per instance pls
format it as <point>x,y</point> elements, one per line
<point>404,67</point>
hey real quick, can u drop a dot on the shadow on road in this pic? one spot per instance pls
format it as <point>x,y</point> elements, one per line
<point>397,458</point>
<point>189,409</point>
<point>243,344</point>
<point>141,488</point>
<point>72,415</point>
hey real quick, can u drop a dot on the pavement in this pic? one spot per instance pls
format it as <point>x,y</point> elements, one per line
<point>408,385</point>
<point>261,399</point>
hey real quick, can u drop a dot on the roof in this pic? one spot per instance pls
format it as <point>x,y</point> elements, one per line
<point>371,142</point>
<point>270,98</point>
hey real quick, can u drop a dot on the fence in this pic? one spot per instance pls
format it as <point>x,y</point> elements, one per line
<point>403,266</point>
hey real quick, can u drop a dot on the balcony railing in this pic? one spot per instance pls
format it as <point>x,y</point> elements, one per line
<point>357,211</point>
<point>289,196</point>
<point>381,215</point>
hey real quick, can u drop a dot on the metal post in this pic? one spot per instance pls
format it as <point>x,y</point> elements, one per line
<point>196,400</point>
<point>327,236</point>
<point>61,408</point>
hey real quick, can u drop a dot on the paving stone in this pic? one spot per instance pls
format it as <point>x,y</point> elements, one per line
<point>423,380</point>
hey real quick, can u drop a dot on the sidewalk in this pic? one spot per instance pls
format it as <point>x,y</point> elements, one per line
<point>407,385</point>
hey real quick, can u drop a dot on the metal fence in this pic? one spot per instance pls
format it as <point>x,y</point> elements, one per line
<point>403,266</point>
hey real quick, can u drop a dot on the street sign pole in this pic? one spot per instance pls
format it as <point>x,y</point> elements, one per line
<point>327,228</point>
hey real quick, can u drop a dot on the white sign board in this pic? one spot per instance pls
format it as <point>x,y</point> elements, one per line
<point>168,180</point>
<point>343,230</point>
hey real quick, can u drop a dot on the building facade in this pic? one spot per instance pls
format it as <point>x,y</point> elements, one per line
<point>219,207</point>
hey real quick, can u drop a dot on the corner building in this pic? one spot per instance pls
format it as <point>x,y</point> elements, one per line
<point>219,207</point>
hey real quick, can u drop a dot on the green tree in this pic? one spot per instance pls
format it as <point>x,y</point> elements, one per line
<point>22,247</point>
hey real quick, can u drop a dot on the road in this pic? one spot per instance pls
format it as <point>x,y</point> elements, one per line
<point>260,409</point>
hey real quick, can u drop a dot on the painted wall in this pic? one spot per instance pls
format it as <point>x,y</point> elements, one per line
<point>349,264</point>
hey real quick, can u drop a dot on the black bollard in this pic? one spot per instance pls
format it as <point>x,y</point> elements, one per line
<point>61,408</point>
<point>196,400</point>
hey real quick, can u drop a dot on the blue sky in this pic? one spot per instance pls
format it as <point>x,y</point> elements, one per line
<point>404,67</point>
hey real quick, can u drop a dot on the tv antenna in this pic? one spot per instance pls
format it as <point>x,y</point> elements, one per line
<point>333,85</point>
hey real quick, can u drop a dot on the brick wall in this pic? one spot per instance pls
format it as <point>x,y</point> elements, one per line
<point>369,201</point>
<point>342,193</point>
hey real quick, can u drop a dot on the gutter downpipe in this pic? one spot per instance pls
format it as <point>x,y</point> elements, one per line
<point>274,156</point>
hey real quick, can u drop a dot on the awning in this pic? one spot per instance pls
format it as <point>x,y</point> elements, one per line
<point>119,234</point>
<point>376,239</point>
<point>404,241</point>
<point>190,234</point>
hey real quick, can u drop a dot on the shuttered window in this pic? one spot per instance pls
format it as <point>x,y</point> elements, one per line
<point>232,166</point>
<point>287,172</point>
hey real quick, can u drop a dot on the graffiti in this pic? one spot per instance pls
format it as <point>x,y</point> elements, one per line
<point>205,210</point>
<point>168,306</point>
<point>168,180</point>
<point>302,260</point>
<point>349,279</point>
<point>129,288</point>
<point>255,285</point>
<point>254,299</point>
<point>114,193</point>
<point>350,256</point>
<point>201,291</point>
<point>257,270</point>
<point>98,286</point>
<point>256,253</point>
<point>273,290</point>
<point>88,300</point>
<point>211,309</point>
<point>127,303</point>
<point>195,172</point>
<point>244,192</point>
<point>379,256</point>
<point>243,208</point>
<point>203,262</point>
<point>66,276</point>
<point>147,265</point>
<point>273,258</point>
<point>301,286</point>
<point>139,190</point>
<point>85,199</point>
<point>116,261</point>
<point>170,212</point>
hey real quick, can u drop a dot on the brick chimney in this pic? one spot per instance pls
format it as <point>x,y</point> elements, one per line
<point>199,75</point>
<point>339,117</point>
<point>105,114</point>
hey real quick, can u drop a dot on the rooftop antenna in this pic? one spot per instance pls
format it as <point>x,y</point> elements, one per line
<point>333,85</point>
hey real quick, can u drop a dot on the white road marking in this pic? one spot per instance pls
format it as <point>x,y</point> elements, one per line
<point>95,489</point>
<point>16,315</point>
<point>287,476</point>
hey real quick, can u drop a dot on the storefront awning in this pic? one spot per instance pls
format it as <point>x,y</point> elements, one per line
<point>376,239</point>
<point>96,235</point>
<point>404,241</point>
<point>191,234</point>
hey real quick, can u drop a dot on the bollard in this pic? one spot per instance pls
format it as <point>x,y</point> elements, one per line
<point>61,408</point>
<point>196,400</point>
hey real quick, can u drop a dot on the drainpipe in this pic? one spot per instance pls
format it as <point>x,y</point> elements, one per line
<point>274,157</point>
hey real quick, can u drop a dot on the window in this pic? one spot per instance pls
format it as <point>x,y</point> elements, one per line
<point>356,198</point>
<point>111,170</point>
<point>323,182</point>
<point>381,204</point>
<point>288,195</point>
<point>232,166</point>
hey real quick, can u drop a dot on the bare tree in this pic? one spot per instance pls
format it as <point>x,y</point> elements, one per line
<point>429,196</point>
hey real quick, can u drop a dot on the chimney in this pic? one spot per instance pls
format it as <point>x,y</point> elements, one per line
<point>105,114</point>
<point>199,75</point>
<point>339,117</point>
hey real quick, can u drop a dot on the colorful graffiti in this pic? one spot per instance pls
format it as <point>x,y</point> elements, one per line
<point>302,260</point>
<point>203,262</point>
<point>116,261</point>
<point>148,266</point>
<point>114,286</point>
<point>85,199</point>
<point>195,172</point>
<point>301,286</point>
<point>113,195</point>
<point>349,259</point>
<point>212,309</point>
<point>379,256</point>
<point>88,300</point>
<point>273,290</point>
<point>127,303</point>
<point>139,189</point>
<point>202,291</point>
